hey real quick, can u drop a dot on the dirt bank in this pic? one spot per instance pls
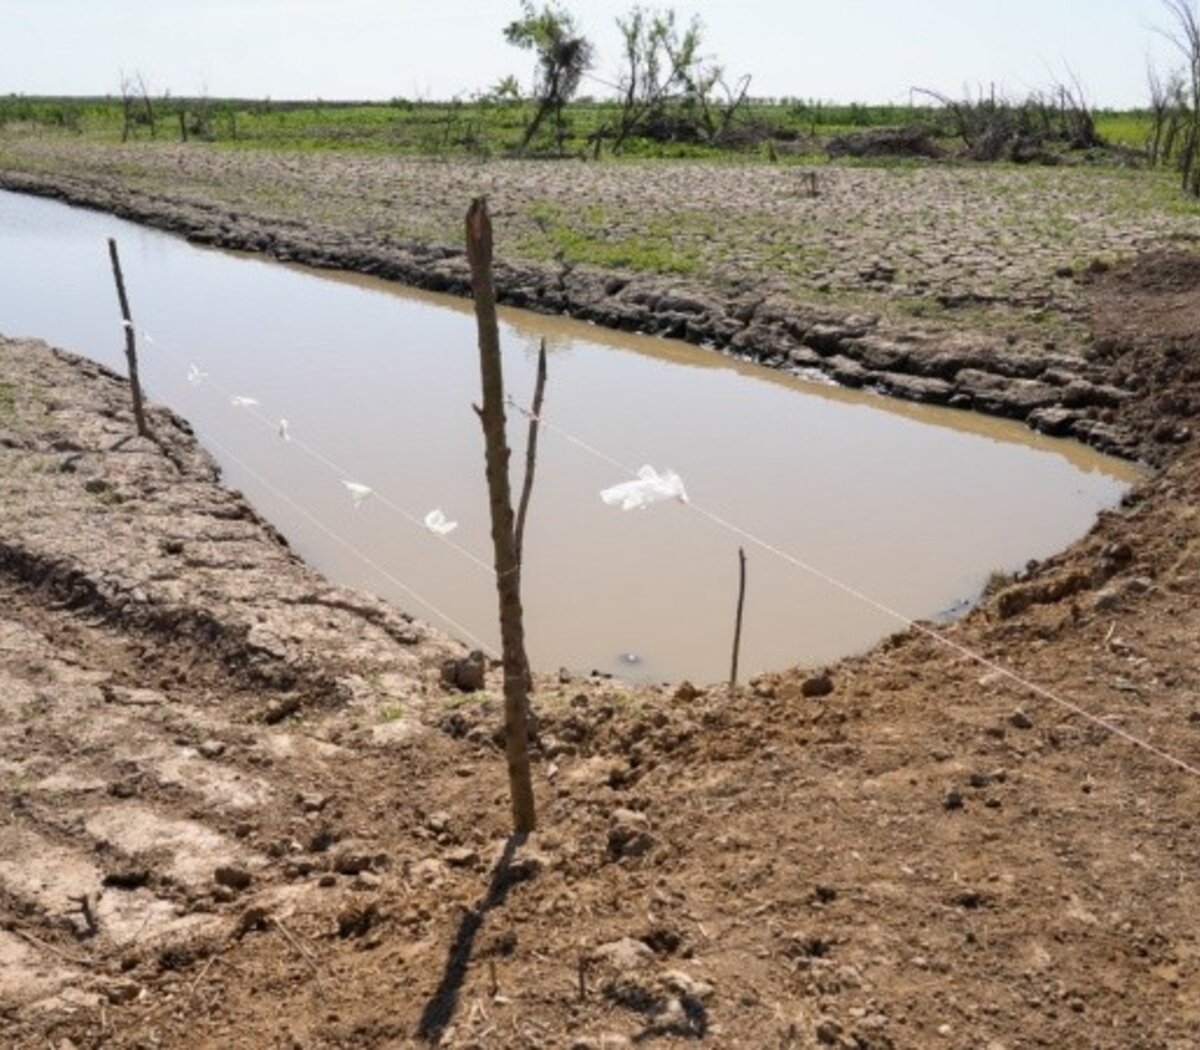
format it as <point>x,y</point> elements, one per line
<point>951,286</point>
<point>241,809</point>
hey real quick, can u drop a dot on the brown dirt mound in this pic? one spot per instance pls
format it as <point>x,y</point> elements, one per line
<point>1146,324</point>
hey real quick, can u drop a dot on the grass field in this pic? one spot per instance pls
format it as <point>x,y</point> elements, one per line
<point>772,130</point>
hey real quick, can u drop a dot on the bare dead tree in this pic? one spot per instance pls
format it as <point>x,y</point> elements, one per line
<point>507,562</point>
<point>668,89</point>
<point>137,108</point>
<point>1185,36</point>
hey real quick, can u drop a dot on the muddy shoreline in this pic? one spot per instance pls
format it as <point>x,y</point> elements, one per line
<point>1060,394</point>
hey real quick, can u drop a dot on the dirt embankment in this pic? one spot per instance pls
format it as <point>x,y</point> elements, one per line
<point>989,265</point>
<point>241,809</point>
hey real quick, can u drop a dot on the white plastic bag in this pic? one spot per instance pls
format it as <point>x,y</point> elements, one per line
<point>358,492</point>
<point>435,522</point>
<point>650,487</point>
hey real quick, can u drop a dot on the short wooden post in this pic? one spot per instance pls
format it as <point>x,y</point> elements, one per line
<point>737,628</point>
<point>507,563</point>
<point>135,385</point>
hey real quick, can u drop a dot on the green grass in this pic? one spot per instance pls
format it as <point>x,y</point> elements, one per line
<point>592,237</point>
<point>786,130</point>
<point>8,400</point>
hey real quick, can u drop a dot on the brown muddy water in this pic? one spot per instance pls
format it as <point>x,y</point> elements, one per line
<point>912,505</point>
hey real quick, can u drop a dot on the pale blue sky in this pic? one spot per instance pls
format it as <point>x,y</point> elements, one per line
<point>867,50</point>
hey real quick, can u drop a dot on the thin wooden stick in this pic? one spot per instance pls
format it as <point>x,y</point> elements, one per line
<point>507,563</point>
<point>539,393</point>
<point>737,630</point>
<point>39,943</point>
<point>135,385</point>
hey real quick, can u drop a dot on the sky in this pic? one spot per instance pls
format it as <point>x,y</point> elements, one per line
<point>837,50</point>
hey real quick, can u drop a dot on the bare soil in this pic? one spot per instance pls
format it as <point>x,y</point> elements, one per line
<point>243,810</point>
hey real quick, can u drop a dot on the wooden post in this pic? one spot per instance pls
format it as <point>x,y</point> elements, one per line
<point>135,385</point>
<point>737,629</point>
<point>508,570</point>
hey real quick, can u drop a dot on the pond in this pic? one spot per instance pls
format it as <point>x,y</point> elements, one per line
<point>915,506</point>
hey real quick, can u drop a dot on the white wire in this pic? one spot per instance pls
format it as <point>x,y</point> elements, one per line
<point>720,522</point>
<point>361,555</point>
<point>887,610</point>
<point>272,425</point>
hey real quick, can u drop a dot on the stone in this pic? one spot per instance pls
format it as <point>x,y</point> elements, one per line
<point>354,858</point>
<point>625,955</point>
<point>687,986</point>
<point>233,878</point>
<point>629,834</point>
<point>686,692</point>
<point>1020,720</point>
<point>467,673</point>
<point>462,857</point>
<point>817,686</point>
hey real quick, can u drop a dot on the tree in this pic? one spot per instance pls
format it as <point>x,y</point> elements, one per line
<point>668,88</point>
<point>1185,35</point>
<point>563,56</point>
<point>136,107</point>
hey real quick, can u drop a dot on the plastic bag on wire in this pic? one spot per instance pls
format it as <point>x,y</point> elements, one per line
<point>649,488</point>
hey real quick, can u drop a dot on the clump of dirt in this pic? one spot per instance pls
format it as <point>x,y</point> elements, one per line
<point>886,142</point>
<point>907,849</point>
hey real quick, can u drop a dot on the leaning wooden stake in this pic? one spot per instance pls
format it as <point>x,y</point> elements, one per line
<point>737,629</point>
<point>507,563</point>
<point>135,385</point>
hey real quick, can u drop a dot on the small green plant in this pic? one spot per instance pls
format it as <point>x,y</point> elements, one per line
<point>391,713</point>
<point>997,581</point>
<point>8,401</point>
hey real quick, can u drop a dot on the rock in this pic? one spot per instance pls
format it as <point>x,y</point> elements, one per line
<point>211,748</point>
<point>829,1032</point>
<point>684,985</point>
<point>817,686</point>
<point>629,834</point>
<point>355,858</point>
<point>438,822</point>
<point>121,992</point>
<point>625,955</point>
<point>1005,395</point>
<point>927,389</point>
<point>355,921</point>
<point>467,673</point>
<point>686,692</point>
<point>1053,421</point>
<point>313,803</point>
<point>953,800</point>
<point>428,870</point>
<point>764,688</point>
<point>1020,720</point>
<point>463,857</point>
<point>233,878</point>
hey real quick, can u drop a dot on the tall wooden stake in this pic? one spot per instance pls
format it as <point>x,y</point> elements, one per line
<point>737,629</point>
<point>135,385</point>
<point>507,563</point>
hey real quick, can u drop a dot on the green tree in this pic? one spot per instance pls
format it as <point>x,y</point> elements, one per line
<point>563,53</point>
